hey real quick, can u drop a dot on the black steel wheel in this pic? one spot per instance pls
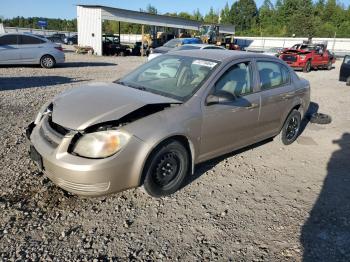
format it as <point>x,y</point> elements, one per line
<point>166,169</point>
<point>291,127</point>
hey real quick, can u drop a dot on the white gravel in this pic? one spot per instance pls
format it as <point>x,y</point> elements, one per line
<point>264,203</point>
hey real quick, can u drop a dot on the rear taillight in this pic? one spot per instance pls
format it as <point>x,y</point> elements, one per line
<point>59,48</point>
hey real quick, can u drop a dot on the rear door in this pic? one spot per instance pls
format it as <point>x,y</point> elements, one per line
<point>9,52</point>
<point>277,93</point>
<point>31,48</point>
<point>227,126</point>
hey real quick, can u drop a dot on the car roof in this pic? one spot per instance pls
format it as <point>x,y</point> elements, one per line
<point>201,45</point>
<point>220,55</point>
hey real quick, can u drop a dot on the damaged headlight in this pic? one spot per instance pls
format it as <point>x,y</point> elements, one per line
<point>101,144</point>
<point>45,109</point>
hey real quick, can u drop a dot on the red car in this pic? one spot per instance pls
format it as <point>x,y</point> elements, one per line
<point>308,56</point>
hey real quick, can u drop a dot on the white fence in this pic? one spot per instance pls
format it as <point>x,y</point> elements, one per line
<point>339,46</point>
<point>36,31</point>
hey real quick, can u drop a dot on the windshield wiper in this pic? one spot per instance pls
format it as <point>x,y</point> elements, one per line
<point>139,87</point>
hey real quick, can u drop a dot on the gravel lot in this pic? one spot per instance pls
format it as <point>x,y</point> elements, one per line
<point>264,203</point>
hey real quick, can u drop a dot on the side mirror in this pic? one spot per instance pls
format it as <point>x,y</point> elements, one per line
<point>220,98</point>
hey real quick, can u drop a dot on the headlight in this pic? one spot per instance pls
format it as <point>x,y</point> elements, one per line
<point>302,57</point>
<point>46,109</point>
<point>101,144</point>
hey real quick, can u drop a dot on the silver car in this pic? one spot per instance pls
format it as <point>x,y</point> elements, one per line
<point>153,126</point>
<point>18,49</point>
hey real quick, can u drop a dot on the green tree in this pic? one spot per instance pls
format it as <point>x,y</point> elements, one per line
<point>244,15</point>
<point>225,15</point>
<point>211,17</point>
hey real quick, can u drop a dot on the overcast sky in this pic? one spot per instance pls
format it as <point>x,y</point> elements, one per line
<point>67,9</point>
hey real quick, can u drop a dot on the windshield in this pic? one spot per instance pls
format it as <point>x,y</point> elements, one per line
<point>173,43</point>
<point>174,76</point>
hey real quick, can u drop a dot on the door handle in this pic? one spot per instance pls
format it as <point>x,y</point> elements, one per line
<point>252,106</point>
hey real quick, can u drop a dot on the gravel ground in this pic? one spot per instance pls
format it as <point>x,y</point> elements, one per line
<point>263,203</point>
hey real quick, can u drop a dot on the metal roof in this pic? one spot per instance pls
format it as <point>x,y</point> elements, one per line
<point>138,17</point>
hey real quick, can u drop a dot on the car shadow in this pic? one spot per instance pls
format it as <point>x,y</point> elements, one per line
<point>85,64</point>
<point>14,83</point>
<point>202,168</point>
<point>313,108</point>
<point>325,235</point>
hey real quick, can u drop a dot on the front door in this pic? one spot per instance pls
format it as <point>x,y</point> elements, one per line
<point>231,124</point>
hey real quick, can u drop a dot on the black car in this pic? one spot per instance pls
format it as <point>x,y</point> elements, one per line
<point>345,70</point>
<point>71,40</point>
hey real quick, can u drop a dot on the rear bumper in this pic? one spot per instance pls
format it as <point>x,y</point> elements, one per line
<point>60,58</point>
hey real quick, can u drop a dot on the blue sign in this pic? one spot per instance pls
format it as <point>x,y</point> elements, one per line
<point>42,23</point>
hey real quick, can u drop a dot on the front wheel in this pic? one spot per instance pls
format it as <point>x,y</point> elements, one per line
<point>47,61</point>
<point>307,67</point>
<point>291,127</point>
<point>166,169</point>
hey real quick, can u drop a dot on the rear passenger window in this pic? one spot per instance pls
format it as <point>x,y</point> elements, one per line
<point>29,40</point>
<point>272,75</point>
<point>8,40</point>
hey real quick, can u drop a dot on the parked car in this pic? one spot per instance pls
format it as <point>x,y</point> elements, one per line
<point>111,46</point>
<point>274,51</point>
<point>154,125</point>
<point>344,74</point>
<point>170,45</point>
<point>308,56</point>
<point>189,47</point>
<point>71,40</point>
<point>55,39</point>
<point>59,35</point>
<point>29,49</point>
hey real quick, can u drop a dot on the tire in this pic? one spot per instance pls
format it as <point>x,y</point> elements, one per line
<point>329,65</point>
<point>166,169</point>
<point>70,43</point>
<point>47,61</point>
<point>319,118</point>
<point>307,67</point>
<point>290,129</point>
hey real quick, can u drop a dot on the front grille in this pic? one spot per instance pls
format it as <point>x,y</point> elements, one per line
<point>289,58</point>
<point>58,128</point>
<point>51,132</point>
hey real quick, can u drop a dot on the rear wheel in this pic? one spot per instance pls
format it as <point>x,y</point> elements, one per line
<point>291,127</point>
<point>47,61</point>
<point>307,67</point>
<point>166,169</point>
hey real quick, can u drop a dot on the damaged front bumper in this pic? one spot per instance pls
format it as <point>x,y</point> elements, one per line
<point>84,176</point>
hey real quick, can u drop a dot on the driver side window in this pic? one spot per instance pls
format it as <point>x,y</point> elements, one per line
<point>237,80</point>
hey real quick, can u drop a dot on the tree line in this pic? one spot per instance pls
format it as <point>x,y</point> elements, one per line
<point>299,18</point>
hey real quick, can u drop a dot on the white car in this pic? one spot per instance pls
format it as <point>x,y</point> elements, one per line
<point>188,47</point>
<point>18,49</point>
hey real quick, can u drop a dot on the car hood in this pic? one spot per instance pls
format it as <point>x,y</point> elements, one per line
<point>88,105</point>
